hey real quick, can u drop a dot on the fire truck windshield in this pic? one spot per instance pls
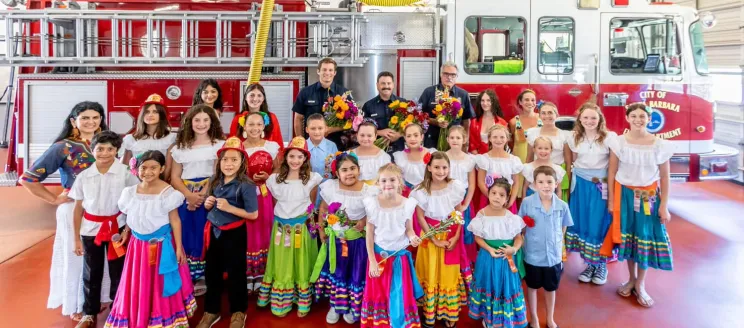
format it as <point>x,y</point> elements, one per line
<point>698,49</point>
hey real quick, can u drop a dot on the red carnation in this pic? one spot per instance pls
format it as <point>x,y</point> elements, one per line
<point>530,222</point>
<point>427,158</point>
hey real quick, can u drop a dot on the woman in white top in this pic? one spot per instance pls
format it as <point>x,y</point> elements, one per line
<point>341,267</point>
<point>439,260</point>
<point>589,192</point>
<point>499,162</point>
<point>463,169</point>
<point>638,198</point>
<point>194,157</point>
<point>253,127</point>
<point>155,285</point>
<point>371,158</point>
<point>292,250</point>
<point>561,155</point>
<point>151,133</point>
<point>390,231</point>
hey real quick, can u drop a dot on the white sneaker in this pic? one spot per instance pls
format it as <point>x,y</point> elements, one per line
<point>332,317</point>
<point>349,318</point>
<point>250,286</point>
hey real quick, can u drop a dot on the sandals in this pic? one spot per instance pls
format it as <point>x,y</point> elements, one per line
<point>624,291</point>
<point>643,298</point>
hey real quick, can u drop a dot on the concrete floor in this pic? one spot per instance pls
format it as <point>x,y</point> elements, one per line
<point>704,290</point>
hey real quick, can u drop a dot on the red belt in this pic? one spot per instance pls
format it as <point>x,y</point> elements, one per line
<point>208,234</point>
<point>109,227</point>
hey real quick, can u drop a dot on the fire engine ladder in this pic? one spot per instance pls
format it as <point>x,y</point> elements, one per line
<point>98,38</point>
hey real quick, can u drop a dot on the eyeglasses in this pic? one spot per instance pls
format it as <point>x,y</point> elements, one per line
<point>449,75</point>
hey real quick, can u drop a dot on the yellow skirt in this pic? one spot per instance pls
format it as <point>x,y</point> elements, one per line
<point>444,288</point>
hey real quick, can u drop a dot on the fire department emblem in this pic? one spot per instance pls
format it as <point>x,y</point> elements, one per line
<point>656,121</point>
<point>173,92</point>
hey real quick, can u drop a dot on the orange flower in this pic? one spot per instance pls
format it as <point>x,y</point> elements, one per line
<point>409,118</point>
<point>344,106</point>
<point>332,219</point>
<point>340,115</point>
<point>337,98</point>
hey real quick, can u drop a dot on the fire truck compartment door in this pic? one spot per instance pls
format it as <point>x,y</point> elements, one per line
<point>563,45</point>
<point>280,97</point>
<point>46,105</point>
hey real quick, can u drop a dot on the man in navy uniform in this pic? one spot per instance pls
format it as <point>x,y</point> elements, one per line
<point>310,100</point>
<point>377,109</point>
<point>448,75</point>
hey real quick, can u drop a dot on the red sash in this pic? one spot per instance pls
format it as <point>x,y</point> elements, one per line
<point>109,227</point>
<point>208,235</point>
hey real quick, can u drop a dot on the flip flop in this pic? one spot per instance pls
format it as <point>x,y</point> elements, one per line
<point>625,292</point>
<point>643,299</point>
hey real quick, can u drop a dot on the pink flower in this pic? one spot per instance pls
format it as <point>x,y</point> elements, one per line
<point>310,208</point>
<point>357,121</point>
<point>456,106</point>
<point>334,207</point>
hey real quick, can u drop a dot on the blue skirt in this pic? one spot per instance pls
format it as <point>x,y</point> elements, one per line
<point>468,236</point>
<point>591,221</point>
<point>496,295</point>
<point>192,230</point>
<point>644,239</point>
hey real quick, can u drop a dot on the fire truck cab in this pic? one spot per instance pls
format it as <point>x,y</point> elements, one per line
<point>612,52</point>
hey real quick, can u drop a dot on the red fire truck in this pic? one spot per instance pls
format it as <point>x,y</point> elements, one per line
<point>613,52</point>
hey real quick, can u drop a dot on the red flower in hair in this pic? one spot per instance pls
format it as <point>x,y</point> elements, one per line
<point>333,167</point>
<point>427,158</point>
<point>530,222</point>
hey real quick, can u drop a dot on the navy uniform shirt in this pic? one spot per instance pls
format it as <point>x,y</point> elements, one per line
<point>429,101</point>
<point>310,100</point>
<point>239,194</point>
<point>378,110</point>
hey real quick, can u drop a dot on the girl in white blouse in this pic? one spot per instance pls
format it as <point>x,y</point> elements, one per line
<point>560,155</point>
<point>156,284</point>
<point>463,169</point>
<point>292,250</point>
<point>542,148</point>
<point>498,161</point>
<point>194,157</point>
<point>589,192</point>
<point>341,267</point>
<point>496,295</point>
<point>439,261</point>
<point>411,159</point>
<point>253,127</point>
<point>151,133</point>
<point>390,232</point>
<point>371,158</point>
<point>638,198</point>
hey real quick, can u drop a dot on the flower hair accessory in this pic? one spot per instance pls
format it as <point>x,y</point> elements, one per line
<point>540,104</point>
<point>266,119</point>
<point>530,222</point>
<point>133,164</point>
<point>427,158</point>
<point>491,179</point>
<point>244,116</point>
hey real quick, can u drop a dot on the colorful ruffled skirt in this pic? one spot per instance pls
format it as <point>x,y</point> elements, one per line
<point>591,220</point>
<point>292,255</point>
<point>644,238</point>
<point>390,299</point>
<point>139,300</point>
<point>496,295</point>
<point>444,277</point>
<point>340,273</point>
<point>259,238</point>
<point>192,228</point>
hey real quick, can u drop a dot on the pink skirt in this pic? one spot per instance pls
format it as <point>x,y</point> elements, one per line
<point>139,301</point>
<point>259,237</point>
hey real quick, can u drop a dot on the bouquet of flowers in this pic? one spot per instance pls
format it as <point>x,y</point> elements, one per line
<point>404,114</point>
<point>447,110</point>
<point>312,226</point>
<point>341,112</point>
<point>455,218</point>
<point>336,220</point>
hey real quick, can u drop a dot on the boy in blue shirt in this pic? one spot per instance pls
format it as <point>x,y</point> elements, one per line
<point>318,146</point>
<point>543,243</point>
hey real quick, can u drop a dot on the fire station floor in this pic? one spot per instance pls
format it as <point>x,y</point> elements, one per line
<point>707,232</point>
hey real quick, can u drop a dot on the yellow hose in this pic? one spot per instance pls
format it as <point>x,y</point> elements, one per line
<point>262,35</point>
<point>264,23</point>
